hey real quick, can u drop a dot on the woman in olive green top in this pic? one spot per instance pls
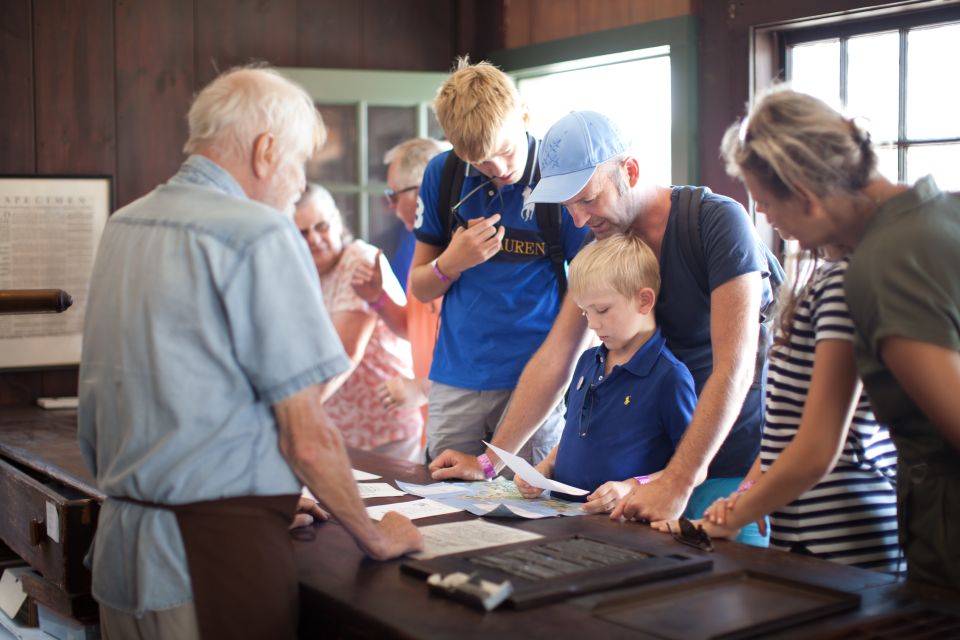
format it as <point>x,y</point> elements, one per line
<point>813,173</point>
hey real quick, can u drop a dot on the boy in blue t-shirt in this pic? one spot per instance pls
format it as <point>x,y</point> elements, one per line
<point>490,260</point>
<point>630,399</point>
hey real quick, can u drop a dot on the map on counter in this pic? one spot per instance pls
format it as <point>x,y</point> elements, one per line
<point>499,498</point>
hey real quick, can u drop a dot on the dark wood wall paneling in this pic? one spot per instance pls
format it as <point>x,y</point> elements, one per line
<point>534,21</point>
<point>155,82</point>
<point>103,86</point>
<point>74,83</point>
<point>17,151</point>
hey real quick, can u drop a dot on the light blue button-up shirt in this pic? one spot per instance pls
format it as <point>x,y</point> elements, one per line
<point>204,310</point>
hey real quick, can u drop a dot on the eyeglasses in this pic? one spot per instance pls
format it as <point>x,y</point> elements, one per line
<point>392,196</point>
<point>692,535</point>
<point>455,208</point>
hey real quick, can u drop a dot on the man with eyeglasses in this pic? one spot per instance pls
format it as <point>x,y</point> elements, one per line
<point>587,165</point>
<point>406,163</point>
<point>415,321</point>
<point>501,289</point>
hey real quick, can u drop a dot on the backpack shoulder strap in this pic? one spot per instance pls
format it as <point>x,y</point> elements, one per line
<point>549,220</point>
<point>689,200</point>
<point>451,183</point>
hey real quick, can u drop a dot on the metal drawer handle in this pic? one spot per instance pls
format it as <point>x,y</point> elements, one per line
<point>38,532</point>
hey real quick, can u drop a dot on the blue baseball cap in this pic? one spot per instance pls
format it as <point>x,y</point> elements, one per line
<point>571,151</point>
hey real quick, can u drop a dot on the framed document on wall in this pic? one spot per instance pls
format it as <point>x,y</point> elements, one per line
<point>49,230</point>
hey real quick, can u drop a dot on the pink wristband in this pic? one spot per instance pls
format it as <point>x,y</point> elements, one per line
<point>439,273</point>
<point>488,471</point>
<point>642,479</point>
<point>745,485</point>
<point>378,304</point>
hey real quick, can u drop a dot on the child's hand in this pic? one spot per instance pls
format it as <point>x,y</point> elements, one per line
<point>526,489</point>
<point>479,242</point>
<point>605,498</point>
<point>713,530</point>
<point>717,512</point>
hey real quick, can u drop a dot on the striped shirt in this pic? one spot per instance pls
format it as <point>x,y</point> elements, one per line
<point>850,517</point>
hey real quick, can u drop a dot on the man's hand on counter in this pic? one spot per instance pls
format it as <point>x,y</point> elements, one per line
<point>453,465</point>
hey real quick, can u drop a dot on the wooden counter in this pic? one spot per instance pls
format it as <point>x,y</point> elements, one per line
<point>346,595</point>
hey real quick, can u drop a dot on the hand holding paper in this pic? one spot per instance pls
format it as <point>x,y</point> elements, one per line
<point>523,469</point>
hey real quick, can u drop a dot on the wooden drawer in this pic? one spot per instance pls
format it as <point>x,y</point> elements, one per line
<point>48,524</point>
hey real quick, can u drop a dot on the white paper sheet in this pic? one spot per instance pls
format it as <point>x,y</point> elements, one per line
<point>523,469</point>
<point>360,476</point>
<point>378,490</point>
<point>12,594</point>
<point>412,509</point>
<point>454,537</point>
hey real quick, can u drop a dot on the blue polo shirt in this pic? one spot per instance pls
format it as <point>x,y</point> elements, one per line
<point>628,423</point>
<point>497,313</point>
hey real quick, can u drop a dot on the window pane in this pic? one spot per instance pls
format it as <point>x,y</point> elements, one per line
<point>815,69</point>
<point>336,162</point>
<point>887,163</point>
<point>386,128</point>
<point>872,82</point>
<point>932,96</point>
<point>941,160</point>
<point>347,204</point>
<point>434,130</point>
<point>621,91</point>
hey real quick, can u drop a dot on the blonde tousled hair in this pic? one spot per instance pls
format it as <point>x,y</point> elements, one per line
<point>790,139</point>
<point>620,262</point>
<point>473,105</point>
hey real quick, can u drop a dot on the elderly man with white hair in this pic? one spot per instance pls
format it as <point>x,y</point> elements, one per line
<point>206,348</point>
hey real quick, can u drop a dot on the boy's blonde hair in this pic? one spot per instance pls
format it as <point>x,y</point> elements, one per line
<point>620,262</point>
<point>473,105</point>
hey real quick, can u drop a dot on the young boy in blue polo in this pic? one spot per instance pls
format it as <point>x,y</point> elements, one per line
<point>630,399</point>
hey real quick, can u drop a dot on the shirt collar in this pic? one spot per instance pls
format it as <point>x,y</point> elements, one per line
<point>204,172</point>
<point>643,360</point>
<point>529,171</point>
<point>924,190</point>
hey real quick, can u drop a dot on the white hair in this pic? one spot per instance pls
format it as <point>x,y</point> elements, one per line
<point>320,198</point>
<point>411,158</point>
<point>230,113</point>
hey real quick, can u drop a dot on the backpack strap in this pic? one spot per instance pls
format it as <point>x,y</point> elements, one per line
<point>689,200</point>
<point>549,217</point>
<point>451,183</point>
<point>549,220</point>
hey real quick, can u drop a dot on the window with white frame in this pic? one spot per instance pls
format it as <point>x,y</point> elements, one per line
<point>619,86</point>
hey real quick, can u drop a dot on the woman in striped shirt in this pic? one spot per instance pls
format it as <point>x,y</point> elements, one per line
<point>828,476</point>
<point>828,468</point>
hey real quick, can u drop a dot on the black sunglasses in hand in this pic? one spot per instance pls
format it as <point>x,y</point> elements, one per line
<point>692,535</point>
<point>455,209</point>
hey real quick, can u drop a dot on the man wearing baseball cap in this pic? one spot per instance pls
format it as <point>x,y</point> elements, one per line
<point>587,165</point>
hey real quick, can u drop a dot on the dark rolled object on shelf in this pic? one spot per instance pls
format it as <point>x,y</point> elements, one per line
<point>34,301</point>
